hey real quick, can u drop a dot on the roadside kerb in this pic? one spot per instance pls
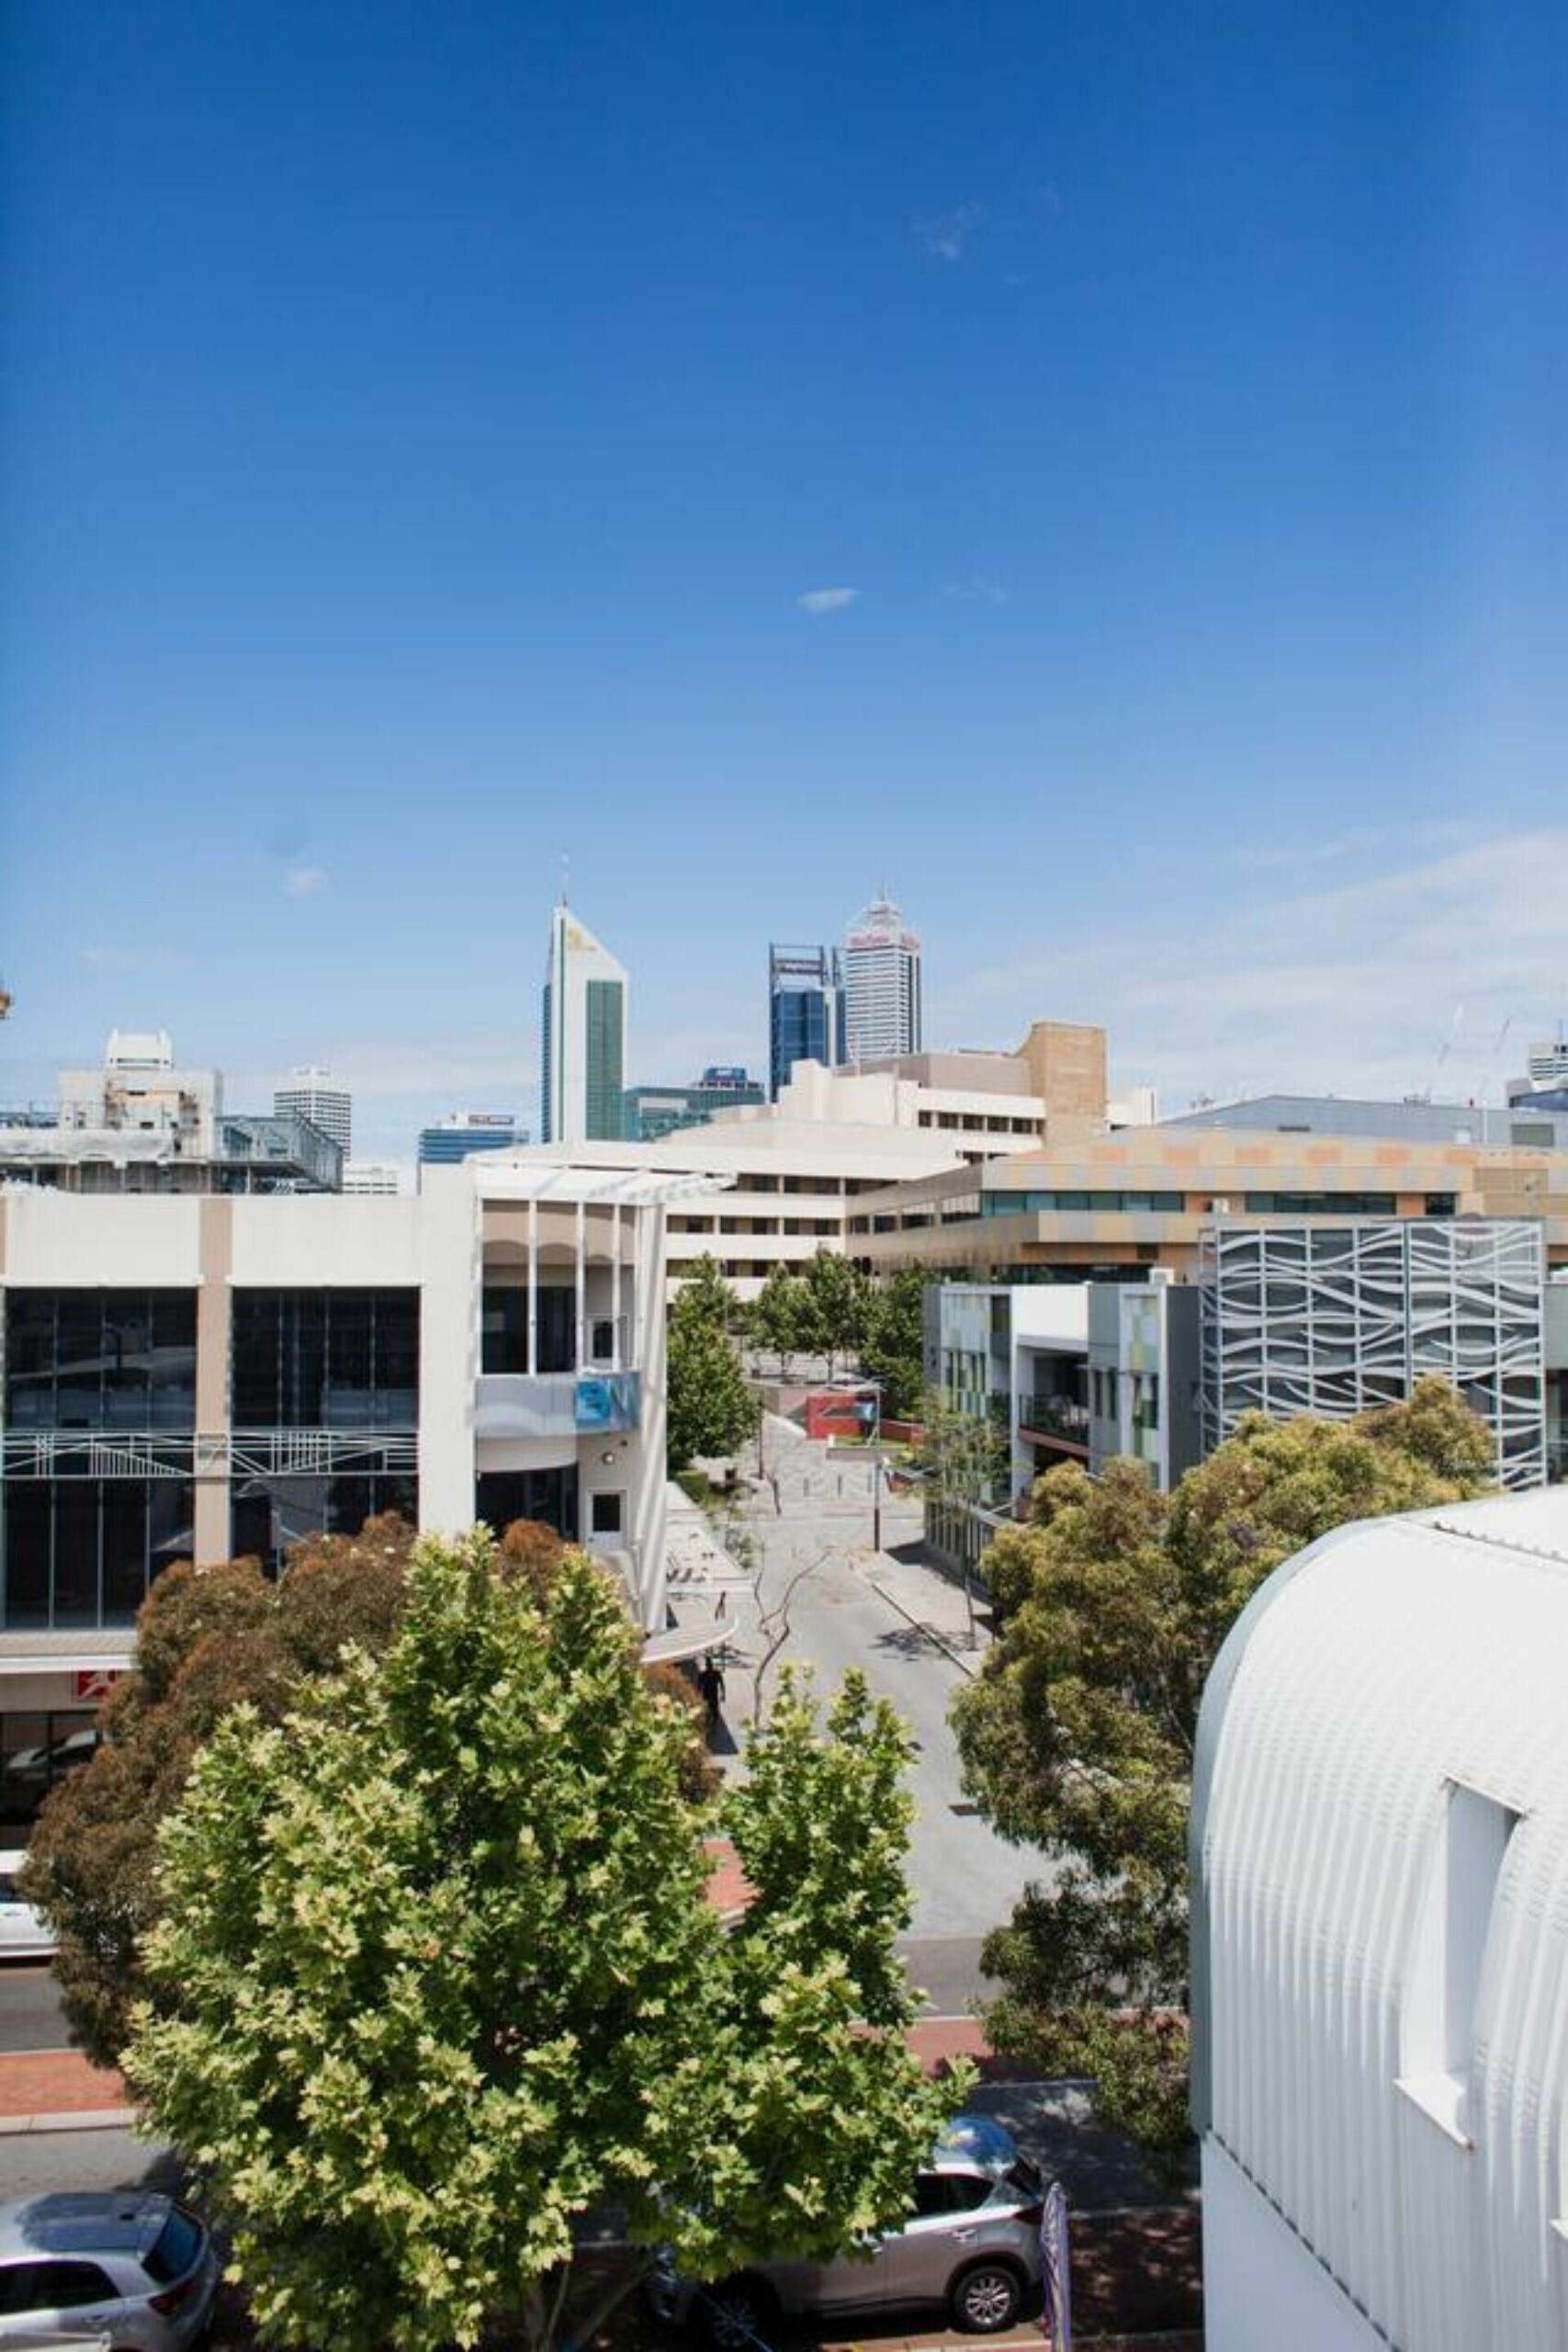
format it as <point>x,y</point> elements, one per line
<point>921,1626</point>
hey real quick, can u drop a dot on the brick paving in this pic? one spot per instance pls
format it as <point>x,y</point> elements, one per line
<point>56,2081</point>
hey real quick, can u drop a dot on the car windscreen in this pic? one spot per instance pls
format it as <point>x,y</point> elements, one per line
<point>175,2249</point>
<point>8,1891</point>
<point>1026,2177</point>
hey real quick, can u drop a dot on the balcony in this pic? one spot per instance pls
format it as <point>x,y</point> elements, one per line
<point>563,1404</point>
<point>1054,1420</point>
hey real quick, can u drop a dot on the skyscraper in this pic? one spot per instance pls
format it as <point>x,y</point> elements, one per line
<point>311,1094</point>
<point>806,1011</point>
<point>882,984</point>
<point>582,1037</point>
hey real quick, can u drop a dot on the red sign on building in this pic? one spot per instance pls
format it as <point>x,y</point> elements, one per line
<point>95,1682</point>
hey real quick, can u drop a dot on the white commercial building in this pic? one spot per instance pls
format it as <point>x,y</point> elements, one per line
<point>882,983</point>
<point>1380,1942</point>
<point>139,1091</point>
<point>203,1376</point>
<point>583,1036</point>
<point>315,1095</point>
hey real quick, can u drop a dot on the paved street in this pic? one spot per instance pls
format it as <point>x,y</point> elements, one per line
<point>29,2008</point>
<point>909,1629</point>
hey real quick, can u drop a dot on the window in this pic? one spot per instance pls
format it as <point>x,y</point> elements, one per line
<point>175,2249</point>
<point>605,1514</point>
<point>70,2285</point>
<point>268,1515</point>
<point>326,1359</point>
<point>949,2192</point>
<point>84,1551</point>
<point>100,1359</point>
<point>1439,2028</point>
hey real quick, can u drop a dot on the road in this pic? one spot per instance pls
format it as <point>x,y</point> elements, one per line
<point>815,1546</point>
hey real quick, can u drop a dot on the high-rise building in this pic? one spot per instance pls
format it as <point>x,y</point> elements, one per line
<point>313,1094</point>
<point>650,1112</point>
<point>882,983</point>
<point>466,1133</point>
<point>806,1011</point>
<point>1549,1062</point>
<point>582,1038</point>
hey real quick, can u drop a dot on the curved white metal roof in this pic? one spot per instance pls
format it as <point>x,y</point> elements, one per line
<point>1380,1670</point>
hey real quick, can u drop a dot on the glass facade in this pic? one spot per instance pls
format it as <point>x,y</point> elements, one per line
<point>100,1360</point>
<point>83,1552</point>
<point>267,1514</point>
<point>604,1013</point>
<point>549,1495</point>
<point>503,1329</point>
<point>325,1359</point>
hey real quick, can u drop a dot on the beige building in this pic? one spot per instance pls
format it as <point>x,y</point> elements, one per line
<point>1141,1198</point>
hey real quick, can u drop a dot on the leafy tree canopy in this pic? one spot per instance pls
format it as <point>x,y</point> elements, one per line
<point>894,1351</point>
<point>440,1975</point>
<point>711,1409</point>
<point>1078,1736</point>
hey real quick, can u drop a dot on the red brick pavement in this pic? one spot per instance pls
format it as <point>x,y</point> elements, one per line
<point>56,2081</point>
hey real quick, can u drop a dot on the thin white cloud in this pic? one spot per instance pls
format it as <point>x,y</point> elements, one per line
<point>304,881</point>
<point>1431,975</point>
<point>945,235</point>
<point>826,600</point>
<point>127,959</point>
<point>976,591</point>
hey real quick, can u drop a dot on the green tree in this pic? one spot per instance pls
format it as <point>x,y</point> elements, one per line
<point>780,1313</point>
<point>206,1638</point>
<point>837,1306</point>
<point>964,1455</point>
<point>894,1349</point>
<point>705,1295</point>
<point>442,1977</point>
<point>711,1409</point>
<point>1077,1735</point>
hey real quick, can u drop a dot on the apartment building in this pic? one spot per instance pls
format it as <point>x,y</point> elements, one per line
<point>197,1377</point>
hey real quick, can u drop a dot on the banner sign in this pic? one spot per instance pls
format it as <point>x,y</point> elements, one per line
<point>1058,2312</point>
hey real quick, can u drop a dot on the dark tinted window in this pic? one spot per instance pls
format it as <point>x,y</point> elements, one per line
<point>15,2288</point>
<point>175,2250</point>
<point>100,1359</point>
<point>326,1359</point>
<point>949,2192</point>
<point>67,2286</point>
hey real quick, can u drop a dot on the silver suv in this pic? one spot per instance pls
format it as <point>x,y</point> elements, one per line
<point>972,2242</point>
<point>135,2269</point>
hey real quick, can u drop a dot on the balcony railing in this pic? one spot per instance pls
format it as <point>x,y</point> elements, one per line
<point>564,1403</point>
<point>1056,1417</point>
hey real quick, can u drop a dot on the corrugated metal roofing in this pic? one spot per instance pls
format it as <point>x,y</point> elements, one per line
<point>1380,1669</point>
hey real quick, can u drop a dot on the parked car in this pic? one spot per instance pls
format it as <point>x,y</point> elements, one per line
<point>135,2268</point>
<point>972,2242</point>
<point>23,1935</point>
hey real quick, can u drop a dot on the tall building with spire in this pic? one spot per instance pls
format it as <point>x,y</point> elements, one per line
<point>882,983</point>
<point>582,1037</point>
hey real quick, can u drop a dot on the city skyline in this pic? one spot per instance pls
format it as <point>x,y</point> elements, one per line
<point>1105,471</point>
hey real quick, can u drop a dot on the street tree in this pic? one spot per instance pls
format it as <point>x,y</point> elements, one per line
<point>711,1409</point>
<point>893,1353</point>
<point>206,1638</point>
<point>441,1977</point>
<point>779,1314</point>
<point>705,1295</point>
<point>837,1305</point>
<point>1077,1735</point>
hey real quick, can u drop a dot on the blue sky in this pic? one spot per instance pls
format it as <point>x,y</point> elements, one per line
<point>424,422</point>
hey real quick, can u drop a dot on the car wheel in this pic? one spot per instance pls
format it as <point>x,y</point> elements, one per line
<point>738,2314</point>
<point>985,2299</point>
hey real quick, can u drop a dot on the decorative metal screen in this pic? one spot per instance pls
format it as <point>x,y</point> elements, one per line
<point>1334,1319</point>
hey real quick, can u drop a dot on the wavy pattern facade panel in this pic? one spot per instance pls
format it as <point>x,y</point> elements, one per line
<point>1331,1319</point>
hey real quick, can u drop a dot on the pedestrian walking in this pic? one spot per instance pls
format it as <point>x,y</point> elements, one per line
<point>710,1682</point>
